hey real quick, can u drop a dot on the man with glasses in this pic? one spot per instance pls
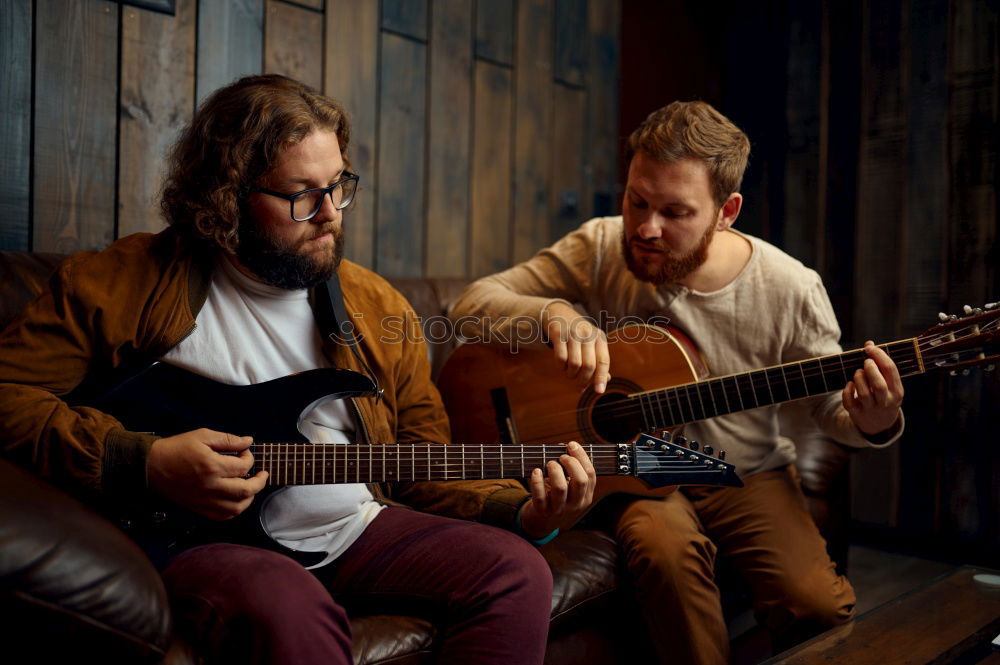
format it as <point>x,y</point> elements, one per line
<point>234,291</point>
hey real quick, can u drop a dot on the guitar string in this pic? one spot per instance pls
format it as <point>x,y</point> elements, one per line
<point>758,378</point>
<point>454,468</point>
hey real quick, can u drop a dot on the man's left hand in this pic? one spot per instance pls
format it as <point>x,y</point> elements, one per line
<point>874,395</point>
<point>559,501</point>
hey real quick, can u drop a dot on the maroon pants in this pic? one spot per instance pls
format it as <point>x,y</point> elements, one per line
<point>488,591</point>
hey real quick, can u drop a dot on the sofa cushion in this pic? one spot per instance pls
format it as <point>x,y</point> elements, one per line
<point>66,571</point>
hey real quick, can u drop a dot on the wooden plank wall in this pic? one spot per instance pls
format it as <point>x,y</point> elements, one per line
<point>482,130</point>
<point>874,135</point>
<point>890,178</point>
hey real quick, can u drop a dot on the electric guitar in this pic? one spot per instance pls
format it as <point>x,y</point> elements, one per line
<point>168,400</point>
<point>660,381</point>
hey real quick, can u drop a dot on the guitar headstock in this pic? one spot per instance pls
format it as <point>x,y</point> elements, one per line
<point>660,462</point>
<point>961,342</point>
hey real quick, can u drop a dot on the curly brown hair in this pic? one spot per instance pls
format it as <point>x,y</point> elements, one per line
<point>695,130</point>
<point>233,139</point>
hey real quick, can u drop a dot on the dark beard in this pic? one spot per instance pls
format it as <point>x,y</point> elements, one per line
<point>282,266</point>
<point>671,270</point>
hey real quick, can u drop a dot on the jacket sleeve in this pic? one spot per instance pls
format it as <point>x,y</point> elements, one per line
<point>44,355</point>
<point>421,417</point>
<point>508,306</point>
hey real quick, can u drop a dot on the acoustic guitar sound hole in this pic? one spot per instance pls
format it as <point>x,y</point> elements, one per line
<point>613,416</point>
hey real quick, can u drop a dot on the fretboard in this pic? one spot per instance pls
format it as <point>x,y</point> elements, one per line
<point>782,383</point>
<point>311,464</point>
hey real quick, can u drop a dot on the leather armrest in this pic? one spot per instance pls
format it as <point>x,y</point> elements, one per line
<point>584,567</point>
<point>71,583</point>
<point>821,463</point>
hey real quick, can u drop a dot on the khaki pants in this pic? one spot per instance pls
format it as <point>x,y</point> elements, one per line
<point>764,533</point>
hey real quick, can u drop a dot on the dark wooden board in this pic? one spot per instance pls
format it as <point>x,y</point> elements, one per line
<point>569,111</point>
<point>406,17</point>
<point>351,77</point>
<point>804,223</point>
<point>76,88</point>
<point>495,30</point>
<point>601,195</point>
<point>230,43</point>
<point>293,43</point>
<point>157,100</point>
<point>402,162</point>
<point>532,124</point>
<point>15,124</point>
<point>571,42</point>
<point>449,107</point>
<point>491,170</point>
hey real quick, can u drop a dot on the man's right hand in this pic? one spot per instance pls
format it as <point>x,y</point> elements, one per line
<point>581,348</point>
<point>188,470</point>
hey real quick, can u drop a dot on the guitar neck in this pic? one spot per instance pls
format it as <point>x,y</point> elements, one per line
<point>312,464</point>
<point>764,387</point>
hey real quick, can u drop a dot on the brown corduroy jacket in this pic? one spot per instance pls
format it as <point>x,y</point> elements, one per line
<point>138,299</point>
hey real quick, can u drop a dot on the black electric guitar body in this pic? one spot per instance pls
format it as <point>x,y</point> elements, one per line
<point>166,400</point>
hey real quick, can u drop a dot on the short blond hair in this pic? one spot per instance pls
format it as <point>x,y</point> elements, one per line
<point>683,130</point>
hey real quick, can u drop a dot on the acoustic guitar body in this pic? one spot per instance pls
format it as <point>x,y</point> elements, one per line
<point>492,394</point>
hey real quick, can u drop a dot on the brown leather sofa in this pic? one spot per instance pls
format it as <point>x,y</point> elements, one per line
<point>73,586</point>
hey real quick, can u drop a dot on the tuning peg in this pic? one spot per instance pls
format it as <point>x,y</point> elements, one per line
<point>966,309</point>
<point>942,317</point>
<point>680,440</point>
<point>665,435</point>
<point>722,455</point>
<point>692,444</point>
<point>709,450</point>
<point>990,305</point>
<point>989,368</point>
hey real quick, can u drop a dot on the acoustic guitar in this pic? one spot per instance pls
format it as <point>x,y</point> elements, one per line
<point>168,400</point>
<point>660,381</point>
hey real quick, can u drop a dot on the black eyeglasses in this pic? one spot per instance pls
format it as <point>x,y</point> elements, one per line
<point>304,205</point>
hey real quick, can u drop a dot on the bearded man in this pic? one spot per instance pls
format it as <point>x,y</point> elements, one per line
<point>673,254</point>
<point>234,290</point>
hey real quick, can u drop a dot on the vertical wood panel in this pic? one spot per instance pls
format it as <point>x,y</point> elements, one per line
<point>803,231</point>
<point>351,77</point>
<point>567,158</point>
<point>571,42</point>
<point>926,161</point>
<point>601,196</point>
<point>533,124</point>
<point>491,170</point>
<point>972,151</point>
<point>880,219</point>
<point>230,42</point>
<point>402,138</point>
<point>448,155</point>
<point>971,494</point>
<point>76,76</point>
<point>157,99</point>
<point>293,43</point>
<point>840,125</point>
<point>15,123</point>
<point>495,30</point>
<point>881,172</point>
<point>925,233</point>
<point>407,17</point>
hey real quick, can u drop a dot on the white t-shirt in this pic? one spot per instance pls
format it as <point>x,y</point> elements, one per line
<point>250,332</point>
